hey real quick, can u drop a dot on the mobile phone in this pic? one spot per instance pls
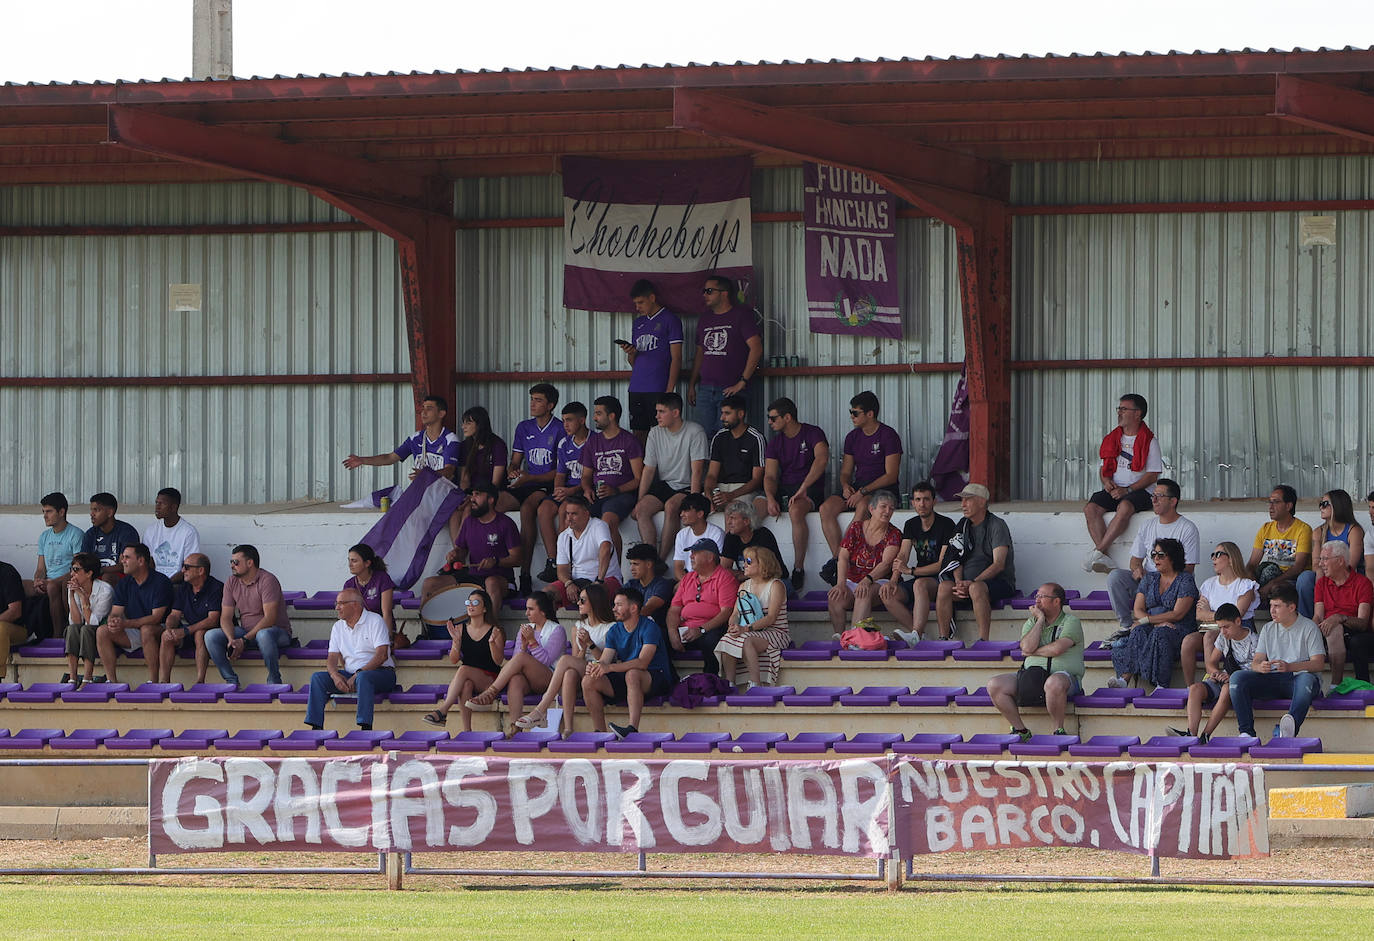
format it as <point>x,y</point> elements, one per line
<point>620,342</point>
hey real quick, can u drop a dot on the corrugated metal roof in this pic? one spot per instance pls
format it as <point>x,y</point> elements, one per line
<point>1001,56</point>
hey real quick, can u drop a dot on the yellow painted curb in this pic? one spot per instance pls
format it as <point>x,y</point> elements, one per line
<point>1336,758</point>
<point>1336,802</point>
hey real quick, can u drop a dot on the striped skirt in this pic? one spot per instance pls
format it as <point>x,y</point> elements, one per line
<point>770,661</point>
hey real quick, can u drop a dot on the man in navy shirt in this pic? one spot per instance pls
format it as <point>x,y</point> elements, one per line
<point>141,600</point>
<point>195,610</point>
<point>634,665</point>
<point>108,536</point>
<point>644,575</point>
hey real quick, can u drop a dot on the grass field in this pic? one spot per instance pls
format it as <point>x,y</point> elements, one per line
<point>42,909</point>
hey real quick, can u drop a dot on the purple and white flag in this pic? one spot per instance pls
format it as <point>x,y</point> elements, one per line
<point>950,471</point>
<point>406,532</point>
<point>671,221</point>
<point>851,254</point>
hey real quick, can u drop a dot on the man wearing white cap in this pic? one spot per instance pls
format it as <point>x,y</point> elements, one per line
<point>985,573</point>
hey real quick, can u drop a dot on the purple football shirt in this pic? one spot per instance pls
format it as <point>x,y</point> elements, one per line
<point>653,339</point>
<point>609,459</point>
<point>724,341</point>
<point>539,445</point>
<point>432,454</point>
<point>870,452</point>
<point>570,460</point>
<point>495,539</point>
<point>795,455</point>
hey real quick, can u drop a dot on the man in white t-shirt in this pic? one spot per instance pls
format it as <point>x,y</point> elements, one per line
<point>359,661</point>
<point>1288,663</point>
<point>695,506</point>
<point>1167,523</point>
<point>675,459</point>
<point>1131,463</point>
<point>586,553</point>
<point>170,538</point>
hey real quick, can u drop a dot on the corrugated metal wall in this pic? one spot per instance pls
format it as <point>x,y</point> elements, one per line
<point>273,304</point>
<point>1194,285</point>
<point>510,288</point>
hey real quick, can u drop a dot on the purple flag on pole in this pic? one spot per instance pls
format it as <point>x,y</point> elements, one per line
<point>950,470</point>
<point>406,532</point>
<point>671,221</point>
<point>851,254</point>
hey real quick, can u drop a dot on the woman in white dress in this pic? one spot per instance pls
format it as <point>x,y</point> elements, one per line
<point>757,632</point>
<point>1230,585</point>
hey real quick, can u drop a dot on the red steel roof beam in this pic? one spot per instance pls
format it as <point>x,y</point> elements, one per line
<point>1342,111</point>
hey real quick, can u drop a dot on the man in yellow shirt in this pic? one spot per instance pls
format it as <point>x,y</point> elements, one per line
<point>1283,546</point>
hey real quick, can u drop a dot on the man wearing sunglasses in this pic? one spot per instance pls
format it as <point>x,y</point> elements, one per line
<point>872,462</point>
<point>728,352</point>
<point>1131,463</point>
<point>195,610</point>
<point>1168,523</point>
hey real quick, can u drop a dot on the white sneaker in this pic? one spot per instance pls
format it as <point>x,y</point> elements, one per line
<point>912,638</point>
<point>1102,562</point>
<point>1287,727</point>
<point>1089,559</point>
<point>1116,682</point>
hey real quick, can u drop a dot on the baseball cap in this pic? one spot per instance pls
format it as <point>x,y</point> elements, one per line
<point>705,545</point>
<point>974,490</point>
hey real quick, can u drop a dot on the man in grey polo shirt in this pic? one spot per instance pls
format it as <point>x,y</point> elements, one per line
<point>1167,523</point>
<point>1288,660</point>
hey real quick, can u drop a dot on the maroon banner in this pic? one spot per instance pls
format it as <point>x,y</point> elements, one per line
<point>428,803</point>
<point>671,221</point>
<point>1162,809</point>
<point>851,253</point>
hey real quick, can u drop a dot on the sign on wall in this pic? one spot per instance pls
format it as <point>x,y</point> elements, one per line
<point>851,254</point>
<point>858,807</point>
<point>671,221</point>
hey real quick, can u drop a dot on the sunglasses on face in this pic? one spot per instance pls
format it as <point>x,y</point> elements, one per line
<point>1156,554</point>
<point>1218,554</point>
<point>473,602</point>
<point>1325,504</point>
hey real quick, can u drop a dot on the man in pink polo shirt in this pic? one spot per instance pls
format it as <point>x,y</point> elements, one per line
<point>702,604</point>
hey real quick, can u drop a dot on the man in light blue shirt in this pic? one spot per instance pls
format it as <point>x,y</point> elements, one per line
<point>56,546</point>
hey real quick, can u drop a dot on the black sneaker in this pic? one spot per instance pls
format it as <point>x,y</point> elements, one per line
<point>798,580</point>
<point>1024,733</point>
<point>549,572</point>
<point>830,571</point>
<point>526,586</point>
<point>1177,733</point>
<point>620,731</point>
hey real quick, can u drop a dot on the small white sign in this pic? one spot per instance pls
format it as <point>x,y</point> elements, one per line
<point>183,297</point>
<point>1318,230</point>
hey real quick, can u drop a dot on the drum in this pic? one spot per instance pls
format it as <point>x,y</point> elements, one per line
<point>451,602</point>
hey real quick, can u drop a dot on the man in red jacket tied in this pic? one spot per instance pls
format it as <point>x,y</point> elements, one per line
<point>1131,463</point>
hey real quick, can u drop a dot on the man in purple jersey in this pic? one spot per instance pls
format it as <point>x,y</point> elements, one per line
<point>529,477</point>
<point>567,479</point>
<point>793,476</point>
<point>654,353</point>
<point>487,550</point>
<point>728,351</point>
<point>872,462</point>
<point>433,446</point>
<point>612,463</point>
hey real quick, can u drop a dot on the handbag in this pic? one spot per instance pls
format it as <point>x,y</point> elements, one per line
<point>1030,681</point>
<point>749,607</point>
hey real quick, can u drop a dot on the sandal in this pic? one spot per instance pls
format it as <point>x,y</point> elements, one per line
<point>485,698</point>
<point>436,718</point>
<point>530,720</point>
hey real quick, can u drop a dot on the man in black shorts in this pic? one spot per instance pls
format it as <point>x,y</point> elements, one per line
<point>794,477</point>
<point>655,356</point>
<point>633,667</point>
<point>927,534</point>
<point>987,570</point>
<point>1131,463</point>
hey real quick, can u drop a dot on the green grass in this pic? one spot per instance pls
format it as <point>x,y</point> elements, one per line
<point>433,907</point>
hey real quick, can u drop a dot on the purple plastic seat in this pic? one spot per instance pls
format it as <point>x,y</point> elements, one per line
<point>580,743</point>
<point>27,739</point>
<point>1163,746</point>
<point>695,743</point>
<point>987,650</point>
<point>202,693</point>
<point>416,740</point>
<point>258,693</point>
<point>1092,601</point>
<point>49,648</point>
<point>1286,748</point>
<point>359,740</point>
<point>297,697</point>
<point>752,743</point>
<point>1107,698</point>
<point>302,740</point>
<point>760,696</point>
<point>867,743</point>
<point>985,743</point>
<point>468,742</point>
<point>314,650</point>
<point>864,656</point>
<point>7,688</point>
<point>929,650</point>
<point>408,604</point>
<point>148,692</point>
<point>422,694</point>
<point>319,601</point>
<point>932,696</point>
<point>1104,746</point>
<point>811,601</point>
<point>1096,653</point>
<point>874,696</point>
<point>40,692</point>
<point>192,740</point>
<point>427,650</point>
<point>1162,698</point>
<point>979,697</point>
<point>1226,747</point>
<point>82,738</point>
<point>94,692</point>
<point>927,743</point>
<point>813,650</point>
<point>816,696</point>
<point>293,595</point>
<point>247,740</point>
<point>526,742</point>
<point>1348,703</point>
<point>1271,705</point>
<point>640,742</point>
<point>1043,746</point>
<point>807,743</point>
<point>138,739</point>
